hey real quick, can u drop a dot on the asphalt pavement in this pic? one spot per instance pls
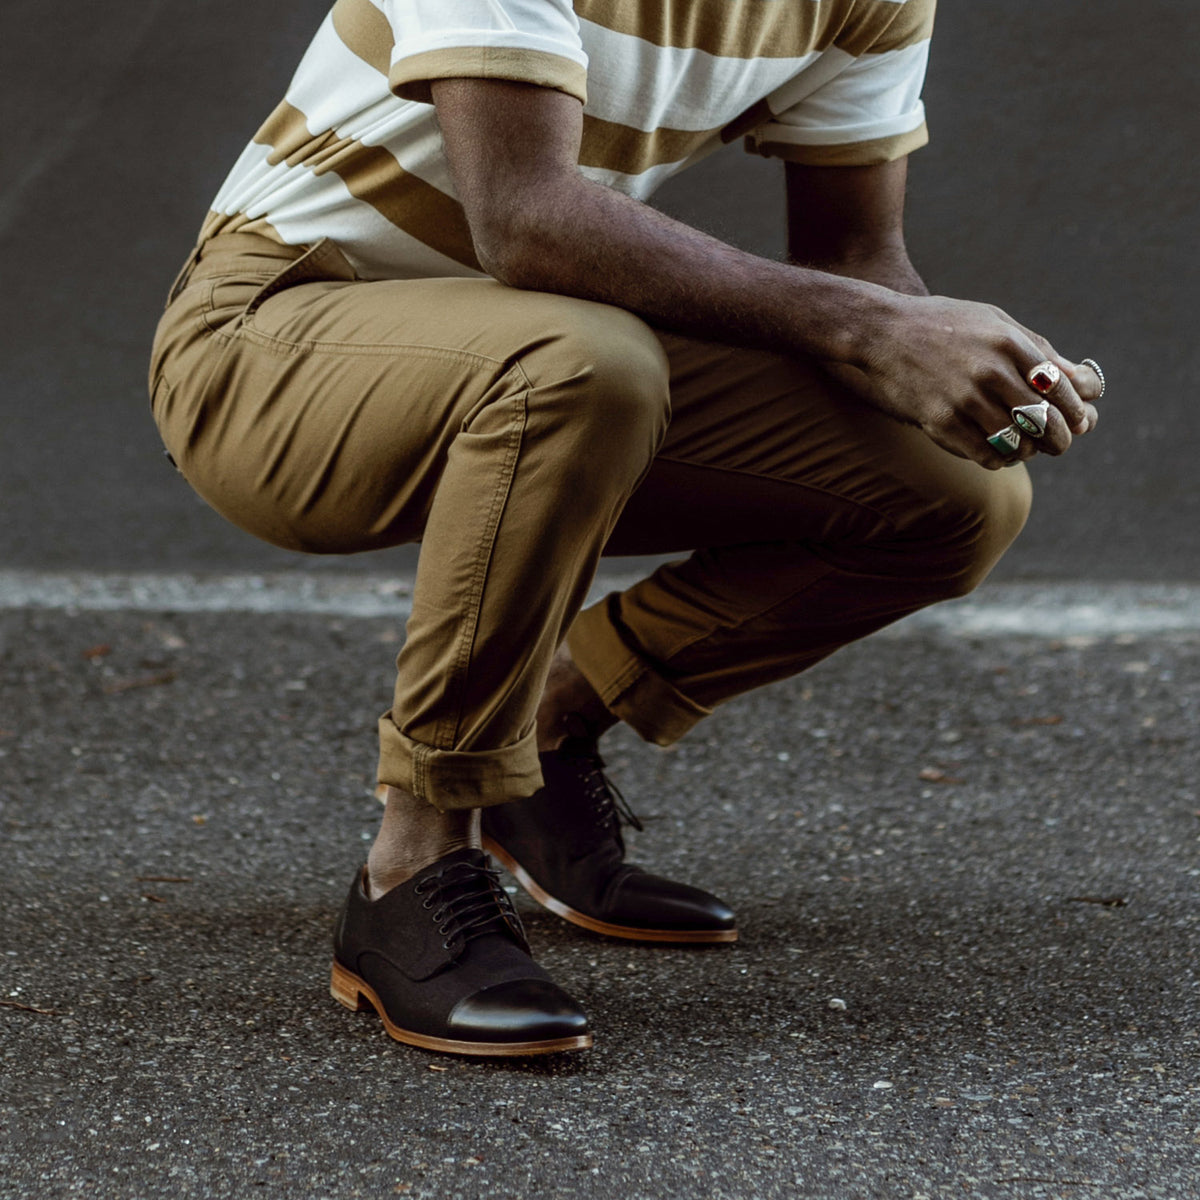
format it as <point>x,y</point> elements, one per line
<point>965,868</point>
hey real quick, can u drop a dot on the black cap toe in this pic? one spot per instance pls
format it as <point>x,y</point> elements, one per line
<point>523,1010</point>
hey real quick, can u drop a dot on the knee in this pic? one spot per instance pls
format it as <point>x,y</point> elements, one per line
<point>975,525</point>
<point>600,380</point>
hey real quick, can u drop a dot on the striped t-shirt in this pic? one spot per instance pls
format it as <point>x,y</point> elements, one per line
<point>353,152</point>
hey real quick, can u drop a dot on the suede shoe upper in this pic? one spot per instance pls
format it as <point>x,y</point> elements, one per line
<point>567,839</point>
<point>446,955</point>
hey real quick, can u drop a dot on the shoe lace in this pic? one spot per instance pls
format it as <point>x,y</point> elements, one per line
<point>609,804</point>
<point>467,901</point>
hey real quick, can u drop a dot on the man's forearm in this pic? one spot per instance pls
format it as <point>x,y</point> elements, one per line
<point>954,368</point>
<point>582,239</point>
<point>889,268</point>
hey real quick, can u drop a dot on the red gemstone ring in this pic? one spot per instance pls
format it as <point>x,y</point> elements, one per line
<point>1044,378</point>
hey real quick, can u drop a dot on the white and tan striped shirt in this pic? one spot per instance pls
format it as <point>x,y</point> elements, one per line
<point>353,152</point>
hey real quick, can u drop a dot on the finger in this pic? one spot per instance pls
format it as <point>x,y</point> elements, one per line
<point>1085,379</point>
<point>1087,383</point>
<point>1058,436</point>
<point>1023,455</point>
<point>1053,383</point>
<point>998,403</point>
<point>996,461</point>
<point>1088,387</point>
<point>1029,371</point>
<point>969,442</point>
<point>1044,426</point>
<point>1007,447</point>
<point>960,436</point>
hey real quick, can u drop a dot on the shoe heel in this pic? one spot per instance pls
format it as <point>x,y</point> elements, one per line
<point>343,987</point>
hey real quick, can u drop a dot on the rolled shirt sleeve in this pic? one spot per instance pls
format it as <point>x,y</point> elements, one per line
<point>526,41</point>
<point>865,108</point>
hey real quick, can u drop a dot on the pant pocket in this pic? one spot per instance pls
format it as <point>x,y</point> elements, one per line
<point>323,260</point>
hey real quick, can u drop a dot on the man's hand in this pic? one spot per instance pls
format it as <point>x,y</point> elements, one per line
<point>953,368</point>
<point>957,369</point>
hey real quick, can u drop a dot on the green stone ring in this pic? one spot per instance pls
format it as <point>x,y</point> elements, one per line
<point>1007,440</point>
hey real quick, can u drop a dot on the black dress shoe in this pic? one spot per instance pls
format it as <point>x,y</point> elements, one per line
<point>564,846</point>
<point>444,962</point>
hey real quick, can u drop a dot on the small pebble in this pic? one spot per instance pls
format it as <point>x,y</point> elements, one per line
<point>839,1005</point>
<point>883,1084</point>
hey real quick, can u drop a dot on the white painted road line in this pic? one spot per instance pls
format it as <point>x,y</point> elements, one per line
<point>996,610</point>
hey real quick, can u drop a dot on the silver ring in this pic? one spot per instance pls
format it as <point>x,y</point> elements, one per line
<point>1032,418</point>
<point>1044,377</point>
<point>1006,440</point>
<point>1091,362</point>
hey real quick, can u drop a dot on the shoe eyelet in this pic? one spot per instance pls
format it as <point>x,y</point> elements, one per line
<point>427,903</point>
<point>446,945</point>
<point>443,930</point>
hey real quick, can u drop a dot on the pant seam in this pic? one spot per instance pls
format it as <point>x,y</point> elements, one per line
<point>286,346</point>
<point>418,772</point>
<point>859,504</point>
<point>452,722</point>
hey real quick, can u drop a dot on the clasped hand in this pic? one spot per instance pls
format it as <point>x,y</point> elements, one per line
<point>957,369</point>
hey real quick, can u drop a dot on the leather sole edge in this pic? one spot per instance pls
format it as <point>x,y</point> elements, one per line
<point>357,995</point>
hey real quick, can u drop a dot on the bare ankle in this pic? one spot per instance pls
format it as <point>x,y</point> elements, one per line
<point>569,704</point>
<point>412,835</point>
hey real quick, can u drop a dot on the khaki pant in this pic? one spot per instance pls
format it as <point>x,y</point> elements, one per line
<point>519,436</point>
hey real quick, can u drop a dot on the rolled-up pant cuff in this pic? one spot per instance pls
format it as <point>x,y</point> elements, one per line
<point>455,779</point>
<point>628,686</point>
